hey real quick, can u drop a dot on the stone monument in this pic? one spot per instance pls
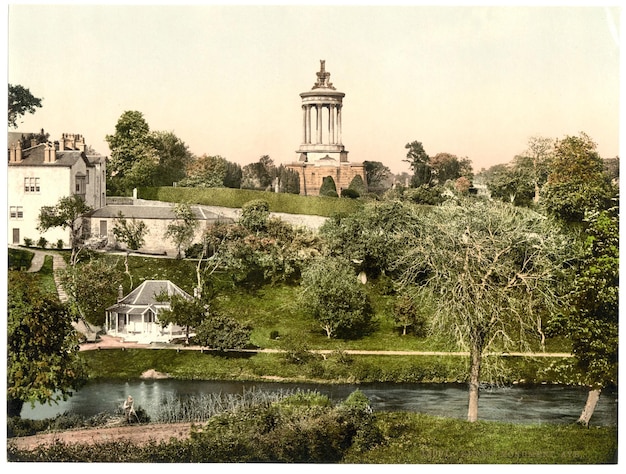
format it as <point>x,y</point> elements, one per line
<point>321,151</point>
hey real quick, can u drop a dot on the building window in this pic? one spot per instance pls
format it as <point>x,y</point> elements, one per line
<point>87,180</point>
<point>16,212</point>
<point>80,184</point>
<point>31,185</point>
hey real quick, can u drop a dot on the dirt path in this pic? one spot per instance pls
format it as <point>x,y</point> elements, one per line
<point>139,434</point>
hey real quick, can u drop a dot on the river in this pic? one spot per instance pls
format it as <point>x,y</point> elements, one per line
<point>516,404</point>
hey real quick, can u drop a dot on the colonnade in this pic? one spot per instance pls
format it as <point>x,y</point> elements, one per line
<point>333,125</point>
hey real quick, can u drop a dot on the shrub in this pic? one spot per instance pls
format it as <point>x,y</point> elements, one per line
<point>42,242</point>
<point>28,242</point>
<point>59,244</point>
<point>328,187</point>
<point>349,193</point>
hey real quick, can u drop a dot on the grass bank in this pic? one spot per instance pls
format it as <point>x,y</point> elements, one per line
<point>299,366</point>
<point>236,198</point>
<point>413,438</point>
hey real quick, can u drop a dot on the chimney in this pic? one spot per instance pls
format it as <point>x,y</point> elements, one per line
<point>18,152</point>
<point>46,153</point>
<point>120,293</point>
<point>53,153</point>
<point>33,142</point>
<point>12,153</point>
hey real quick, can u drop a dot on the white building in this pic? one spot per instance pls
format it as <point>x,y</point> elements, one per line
<point>42,174</point>
<point>135,317</point>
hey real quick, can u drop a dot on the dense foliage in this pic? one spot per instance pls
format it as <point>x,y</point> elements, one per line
<point>20,102</point>
<point>42,364</point>
<point>335,298</point>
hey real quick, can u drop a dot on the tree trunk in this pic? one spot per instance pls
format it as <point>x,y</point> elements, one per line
<point>474,380</point>
<point>14,407</point>
<point>592,400</point>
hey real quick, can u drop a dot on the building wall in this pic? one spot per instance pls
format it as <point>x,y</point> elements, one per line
<point>155,241</point>
<point>312,176</point>
<point>54,183</point>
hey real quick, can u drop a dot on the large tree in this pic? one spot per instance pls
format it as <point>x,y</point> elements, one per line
<point>593,308</point>
<point>131,147</point>
<point>173,156</point>
<point>334,297</point>
<point>376,173</point>
<point>578,181</point>
<point>447,167</point>
<point>186,312</point>
<point>91,287</point>
<point>492,267</point>
<point>68,213</point>
<point>20,102</point>
<point>42,346</point>
<point>419,162</point>
<point>206,172</point>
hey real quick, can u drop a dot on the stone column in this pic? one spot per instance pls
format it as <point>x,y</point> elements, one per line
<point>308,124</point>
<point>319,123</point>
<point>339,107</point>
<point>332,111</point>
<point>304,124</point>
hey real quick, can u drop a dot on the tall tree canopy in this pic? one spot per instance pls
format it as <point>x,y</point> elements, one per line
<point>42,364</point>
<point>578,181</point>
<point>419,163</point>
<point>593,307</point>
<point>20,103</point>
<point>492,268</point>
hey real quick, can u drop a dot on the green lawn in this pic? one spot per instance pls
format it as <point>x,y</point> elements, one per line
<point>413,438</point>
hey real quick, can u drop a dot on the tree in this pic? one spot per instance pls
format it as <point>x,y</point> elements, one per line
<point>419,163</point>
<point>492,267</point>
<point>259,175</point>
<point>36,138</point>
<point>411,310</point>
<point>376,174</point>
<point>20,102</point>
<point>540,151</point>
<point>222,333</point>
<point>288,180</point>
<point>42,364</point>
<point>375,237</point>
<point>183,229</point>
<point>91,287</point>
<point>67,214</point>
<point>447,167</point>
<point>185,312</point>
<point>593,308</point>
<point>132,234</point>
<point>206,172</point>
<point>131,147</point>
<point>577,182</point>
<point>173,157</point>
<point>331,293</point>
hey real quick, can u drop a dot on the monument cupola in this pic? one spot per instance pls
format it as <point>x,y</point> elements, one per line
<point>321,120</point>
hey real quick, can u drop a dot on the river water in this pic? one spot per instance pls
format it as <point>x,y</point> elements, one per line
<point>516,404</point>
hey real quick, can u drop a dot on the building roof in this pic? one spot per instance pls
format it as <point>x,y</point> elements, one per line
<point>151,212</point>
<point>146,294</point>
<point>34,156</point>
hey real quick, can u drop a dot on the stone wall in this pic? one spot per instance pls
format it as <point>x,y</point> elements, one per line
<point>312,176</point>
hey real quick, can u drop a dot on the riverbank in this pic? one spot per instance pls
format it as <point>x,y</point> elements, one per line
<point>408,438</point>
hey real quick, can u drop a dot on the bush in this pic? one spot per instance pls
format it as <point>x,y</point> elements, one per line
<point>349,193</point>
<point>28,242</point>
<point>19,259</point>
<point>328,187</point>
<point>42,242</point>
<point>59,245</point>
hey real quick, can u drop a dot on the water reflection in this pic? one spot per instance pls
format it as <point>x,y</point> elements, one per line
<point>542,404</point>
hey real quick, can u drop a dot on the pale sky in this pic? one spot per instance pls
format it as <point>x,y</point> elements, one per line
<point>476,82</point>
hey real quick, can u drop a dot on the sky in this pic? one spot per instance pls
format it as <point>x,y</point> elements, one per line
<point>474,81</point>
